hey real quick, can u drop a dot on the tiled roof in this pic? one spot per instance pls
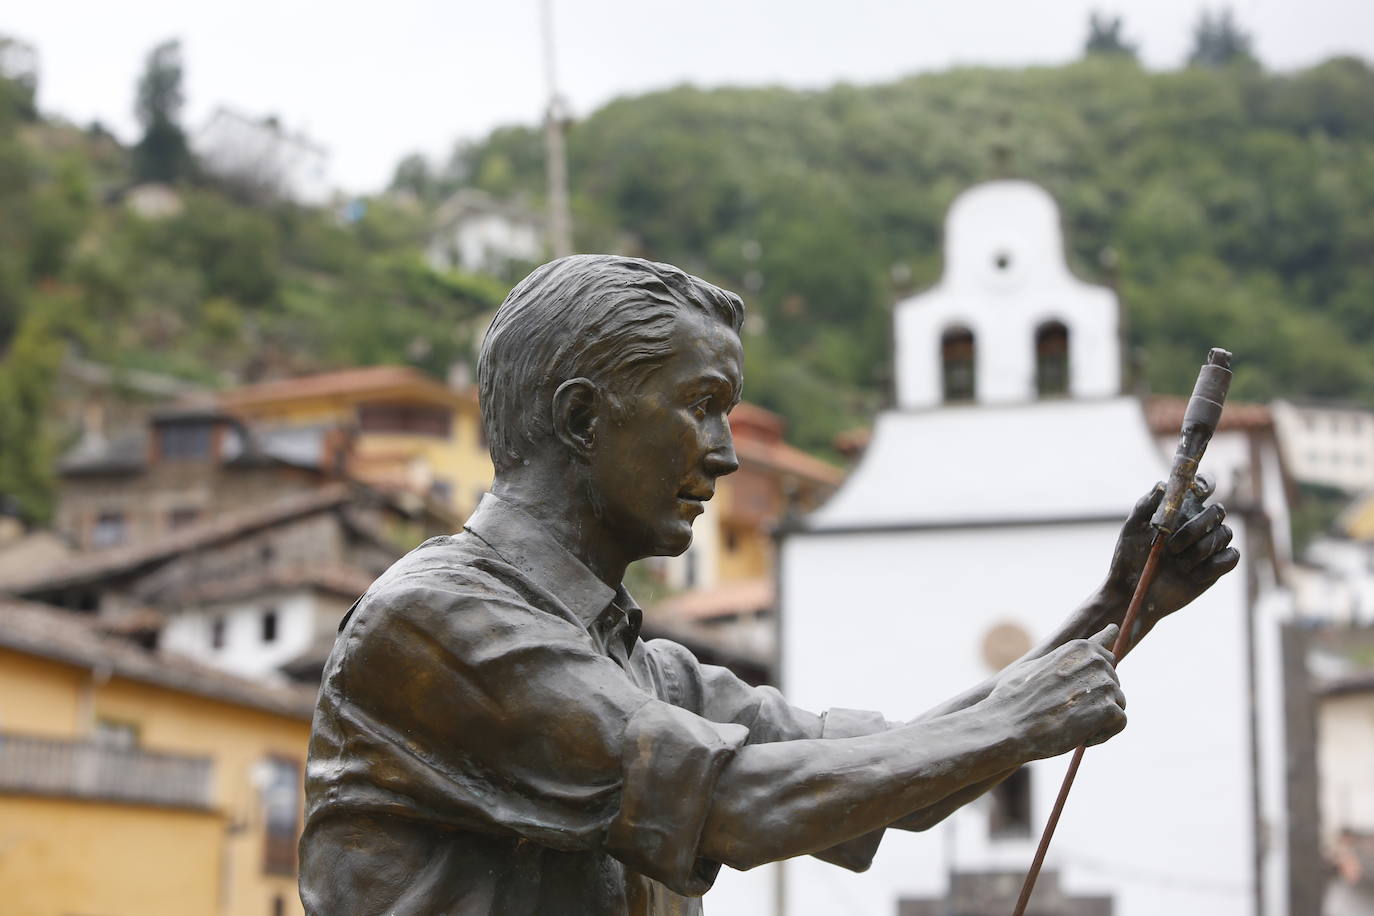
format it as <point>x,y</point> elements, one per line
<point>344,382</point>
<point>746,596</point>
<point>345,581</point>
<point>72,638</point>
<point>750,421</point>
<point>1164,413</point>
<point>779,456</point>
<point>84,569</point>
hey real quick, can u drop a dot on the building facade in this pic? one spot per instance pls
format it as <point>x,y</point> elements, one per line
<point>984,509</point>
<point>408,433</point>
<point>136,783</point>
<point>1328,443</point>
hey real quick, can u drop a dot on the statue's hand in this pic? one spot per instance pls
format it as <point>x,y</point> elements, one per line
<point>1195,556</point>
<point>1070,696</point>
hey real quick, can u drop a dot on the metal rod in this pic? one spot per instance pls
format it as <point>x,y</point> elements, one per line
<point>1142,587</point>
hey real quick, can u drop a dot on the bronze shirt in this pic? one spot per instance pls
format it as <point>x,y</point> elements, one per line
<point>492,737</point>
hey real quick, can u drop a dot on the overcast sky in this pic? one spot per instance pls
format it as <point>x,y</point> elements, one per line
<point>373,81</point>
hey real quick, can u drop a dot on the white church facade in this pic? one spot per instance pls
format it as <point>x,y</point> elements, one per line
<point>984,510</point>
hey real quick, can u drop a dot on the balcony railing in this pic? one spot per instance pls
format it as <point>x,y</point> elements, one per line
<point>87,769</point>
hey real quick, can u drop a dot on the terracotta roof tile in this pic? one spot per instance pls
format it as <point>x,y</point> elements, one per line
<point>346,581</point>
<point>343,382</point>
<point>742,597</point>
<point>72,638</point>
<point>1164,413</point>
<point>91,567</point>
<point>779,456</point>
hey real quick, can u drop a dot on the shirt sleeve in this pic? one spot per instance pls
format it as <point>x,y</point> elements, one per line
<point>718,694</point>
<point>856,854</point>
<point>463,705</point>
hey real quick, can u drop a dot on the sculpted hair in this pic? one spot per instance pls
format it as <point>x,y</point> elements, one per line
<point>602,317</point>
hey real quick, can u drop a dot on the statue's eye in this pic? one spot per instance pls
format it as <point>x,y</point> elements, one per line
<point>700,407</point>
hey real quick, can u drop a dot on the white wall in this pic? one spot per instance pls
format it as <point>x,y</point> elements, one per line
<point>1005,275</point>
<point>1337,582</point>
<point>1328,444</point>
<point>1047,459</point>
<point>895,622</point>
<point>1345,750</point>
<point>244,651</point>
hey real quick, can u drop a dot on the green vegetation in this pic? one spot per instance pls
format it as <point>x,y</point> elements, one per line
<point>1229,205</point>
<point>212,290</point>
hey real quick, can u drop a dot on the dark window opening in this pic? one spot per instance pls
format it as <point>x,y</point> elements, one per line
<point>1002,260</point>
<point>958,359</point>
<point>410,419</point>
<point>109,530</point>
<point>180,518</point>
<point>116,734</point>
<point>269,625</point>
<point>279,905</point>
<point>217,633</point>
<point>1052,359</point>
<point>281,803</point>
<point>186,441</point>
<point>1010,817</point>
<point>731,540</point>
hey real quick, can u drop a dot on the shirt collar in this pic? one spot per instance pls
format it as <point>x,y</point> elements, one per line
<point>525,544</point>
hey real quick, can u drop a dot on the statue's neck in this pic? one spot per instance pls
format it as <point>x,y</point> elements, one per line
<point>559,500</point>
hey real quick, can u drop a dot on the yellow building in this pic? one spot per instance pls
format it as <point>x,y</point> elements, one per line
<point>135,783</point>
<point>1357,521</point>
<point>412,433</point>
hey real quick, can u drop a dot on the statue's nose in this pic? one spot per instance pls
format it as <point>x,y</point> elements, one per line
<point>721,460</point>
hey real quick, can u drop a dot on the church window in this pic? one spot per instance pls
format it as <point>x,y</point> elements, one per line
<point>1051,359</point>
<point>958,359</point>
<point>1010,817</point>
<point>269,625</point>
<point>1002,261</point>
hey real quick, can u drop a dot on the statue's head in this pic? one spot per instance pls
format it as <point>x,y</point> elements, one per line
<point>620,372</point>
<point>605,318</point>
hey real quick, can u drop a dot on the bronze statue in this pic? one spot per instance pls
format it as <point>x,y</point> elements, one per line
<point>492,736</point>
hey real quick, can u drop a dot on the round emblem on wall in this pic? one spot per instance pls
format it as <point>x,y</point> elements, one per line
<point>1004,644</point>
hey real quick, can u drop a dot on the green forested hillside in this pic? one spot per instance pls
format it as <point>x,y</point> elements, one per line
<point>225,290</point>
<point>1231,205</point>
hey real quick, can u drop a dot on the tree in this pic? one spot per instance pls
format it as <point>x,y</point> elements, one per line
<point>414,174</point>
<point>162,154</point>
<point>19,68</point>
<point>1104,37</point>
<point>1218,40</point>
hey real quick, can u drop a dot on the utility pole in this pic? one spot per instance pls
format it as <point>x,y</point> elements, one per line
<point>555,155</point>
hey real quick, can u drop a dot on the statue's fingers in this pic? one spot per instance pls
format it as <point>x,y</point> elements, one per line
<point>1212,569</point>
<point>1146,505</point>
<point>1208,545</point>
<point>1192,531</point>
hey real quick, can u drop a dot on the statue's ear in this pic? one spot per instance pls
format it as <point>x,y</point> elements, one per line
<point>575,414</point>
